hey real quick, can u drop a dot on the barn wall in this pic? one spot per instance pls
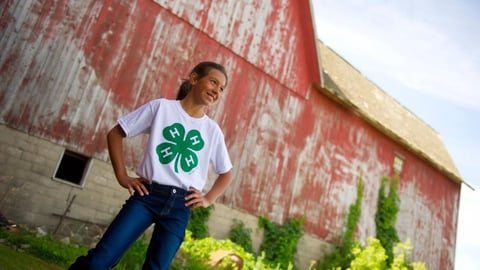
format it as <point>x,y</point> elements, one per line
<point>70,69</point>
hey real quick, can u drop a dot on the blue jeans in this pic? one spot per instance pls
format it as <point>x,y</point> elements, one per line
<point>164,206</point>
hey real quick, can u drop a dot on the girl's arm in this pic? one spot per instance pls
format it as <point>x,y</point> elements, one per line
<point>115,150</point>
<point>196,199</point>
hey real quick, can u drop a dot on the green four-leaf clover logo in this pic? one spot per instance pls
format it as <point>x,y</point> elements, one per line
<point>180,148</point>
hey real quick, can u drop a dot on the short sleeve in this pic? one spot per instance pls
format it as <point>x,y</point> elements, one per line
<point>221,160</point>
<point>138,121</point>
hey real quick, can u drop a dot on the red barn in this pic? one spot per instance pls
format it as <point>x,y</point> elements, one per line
<point>301,124</point>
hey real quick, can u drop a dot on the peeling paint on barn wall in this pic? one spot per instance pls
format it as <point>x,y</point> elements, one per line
<point>259,31</point>
<point>89,85</point>
<point>69,69</point>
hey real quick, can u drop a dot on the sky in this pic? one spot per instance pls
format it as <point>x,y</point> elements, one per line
<point>426,55</point>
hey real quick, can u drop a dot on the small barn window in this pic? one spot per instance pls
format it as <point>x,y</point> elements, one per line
<point>72,167</point>
<point>398,164</point>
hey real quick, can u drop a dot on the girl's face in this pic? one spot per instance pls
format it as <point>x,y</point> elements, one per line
<point>207,90</point>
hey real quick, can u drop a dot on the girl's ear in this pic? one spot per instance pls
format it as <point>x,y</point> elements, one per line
<point>193,78</point>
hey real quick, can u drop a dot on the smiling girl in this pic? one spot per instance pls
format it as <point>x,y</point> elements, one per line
<point>182,142</point>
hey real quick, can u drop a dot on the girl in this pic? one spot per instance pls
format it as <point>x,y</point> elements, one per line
<point>183,141</point>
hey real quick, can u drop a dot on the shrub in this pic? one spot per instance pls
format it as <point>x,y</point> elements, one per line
<point>241,235</point>
<point>280,242</point>
<point>197,223</point>
<point>195,255</point>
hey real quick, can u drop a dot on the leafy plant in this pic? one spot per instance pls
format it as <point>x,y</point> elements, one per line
<point>197,223</point>
<point>280,242</point>
<point>386,216</point>
<point>195,254</point>
<point>401,251</point>
<point>374,256</point>
<point>241,235</point>
<point>370,257</point>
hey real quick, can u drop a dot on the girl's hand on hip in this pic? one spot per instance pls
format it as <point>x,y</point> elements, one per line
<point>196,199</point>
<point>134,184</point>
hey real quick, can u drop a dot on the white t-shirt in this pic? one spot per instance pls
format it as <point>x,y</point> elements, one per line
<point>180,147</point>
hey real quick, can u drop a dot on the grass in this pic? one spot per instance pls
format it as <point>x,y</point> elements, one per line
<point>14,260</point>
<point>24,242</point>
<point>22,249</point>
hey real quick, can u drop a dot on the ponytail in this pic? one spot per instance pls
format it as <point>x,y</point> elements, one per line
<point>183,89</point>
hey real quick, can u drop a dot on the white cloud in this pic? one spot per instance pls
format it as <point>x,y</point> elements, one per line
<point>421,56</point>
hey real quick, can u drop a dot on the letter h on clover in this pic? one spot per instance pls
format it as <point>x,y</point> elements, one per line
<point>180,148</point>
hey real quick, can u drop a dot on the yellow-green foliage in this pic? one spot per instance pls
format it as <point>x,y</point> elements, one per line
<point>374,257</point>
<point>370,257</point>
<point>401,251</point>
<point>199,250</point>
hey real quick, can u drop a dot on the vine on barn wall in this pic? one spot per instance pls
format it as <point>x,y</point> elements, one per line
<point>342,253</point>
<point>384,252</point>
<point>386,216</point>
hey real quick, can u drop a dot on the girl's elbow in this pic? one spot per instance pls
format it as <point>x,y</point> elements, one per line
<point>115,132</point>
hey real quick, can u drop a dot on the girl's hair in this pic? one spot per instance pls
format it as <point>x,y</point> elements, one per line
<point>201,69</point>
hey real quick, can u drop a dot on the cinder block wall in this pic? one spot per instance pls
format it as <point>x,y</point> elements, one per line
<point>29,195</point>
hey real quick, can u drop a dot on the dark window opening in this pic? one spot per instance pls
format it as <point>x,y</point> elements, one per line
<point>72,167</point>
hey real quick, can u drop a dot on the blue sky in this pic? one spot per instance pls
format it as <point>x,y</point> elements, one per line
<point>426,55</point>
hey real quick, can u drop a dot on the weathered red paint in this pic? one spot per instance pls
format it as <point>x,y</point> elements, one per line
<point>69,69</point>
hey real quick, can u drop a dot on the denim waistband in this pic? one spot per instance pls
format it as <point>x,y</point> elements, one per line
<point>170,189</point>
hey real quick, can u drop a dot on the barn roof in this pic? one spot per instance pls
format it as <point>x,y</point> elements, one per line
<point>347,85</point>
